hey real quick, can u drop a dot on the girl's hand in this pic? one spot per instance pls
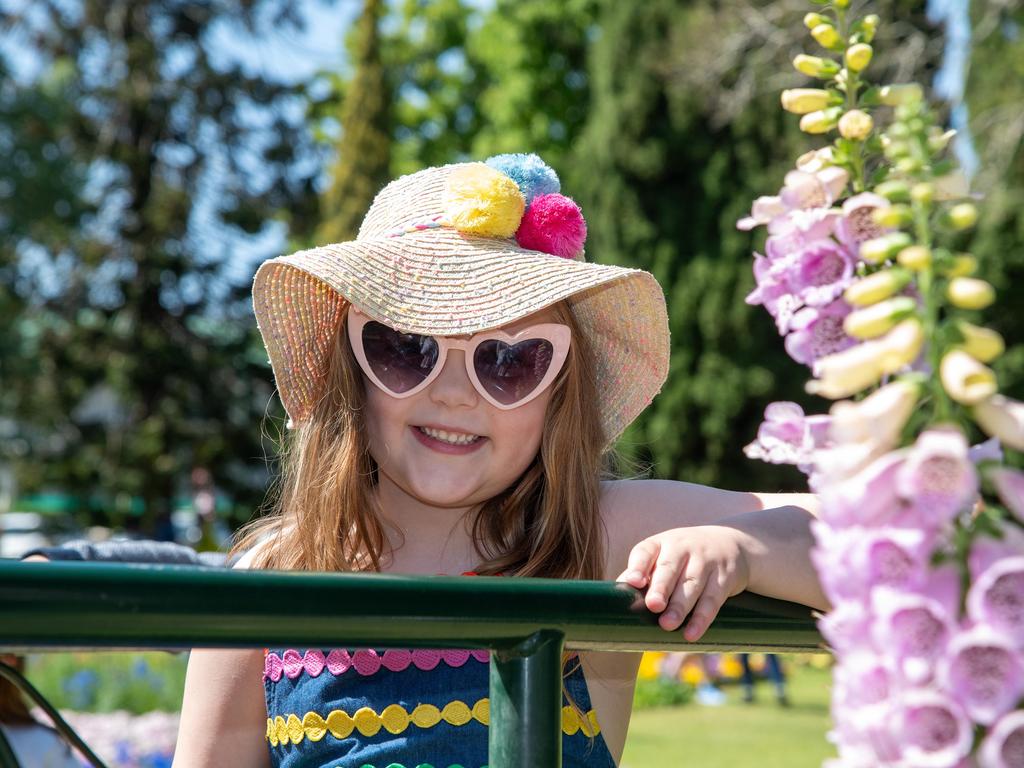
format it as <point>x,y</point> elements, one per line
<point>696,568</point>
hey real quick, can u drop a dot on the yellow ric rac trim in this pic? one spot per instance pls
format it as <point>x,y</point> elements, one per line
<point>395,719</point>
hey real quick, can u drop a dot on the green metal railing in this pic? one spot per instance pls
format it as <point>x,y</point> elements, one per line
<point>525,623</point>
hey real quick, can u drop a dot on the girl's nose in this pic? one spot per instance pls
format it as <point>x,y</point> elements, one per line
<point>453,387</point>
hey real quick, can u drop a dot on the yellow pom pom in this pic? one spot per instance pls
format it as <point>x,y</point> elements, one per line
<point>483,201</point>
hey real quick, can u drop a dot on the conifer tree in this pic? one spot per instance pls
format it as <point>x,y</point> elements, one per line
<point>364,148</point>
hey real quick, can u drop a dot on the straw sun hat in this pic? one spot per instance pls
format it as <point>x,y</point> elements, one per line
<point>457,249</point>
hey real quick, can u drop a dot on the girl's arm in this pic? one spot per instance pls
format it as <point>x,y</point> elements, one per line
<point>695,546</point>
<point>223,714</point>
<point>223,711</point>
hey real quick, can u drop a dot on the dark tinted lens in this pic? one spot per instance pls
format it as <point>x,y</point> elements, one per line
<point>399,360</point>
<point>511,372</point>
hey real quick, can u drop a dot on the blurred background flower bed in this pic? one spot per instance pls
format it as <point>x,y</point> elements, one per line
<point>123,705</point>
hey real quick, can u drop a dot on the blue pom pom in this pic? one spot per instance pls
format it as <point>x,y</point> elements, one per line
<point>533,175</point>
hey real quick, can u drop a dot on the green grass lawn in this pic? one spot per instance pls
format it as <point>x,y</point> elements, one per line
<point>737,735</point>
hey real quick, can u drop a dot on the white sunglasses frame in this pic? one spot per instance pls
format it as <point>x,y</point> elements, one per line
<point>557,334</point>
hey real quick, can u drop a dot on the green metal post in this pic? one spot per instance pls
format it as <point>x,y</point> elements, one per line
<point>7,757</point>
<point>526,703</point>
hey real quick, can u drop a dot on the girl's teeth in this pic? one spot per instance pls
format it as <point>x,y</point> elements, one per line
<point>449,437</point>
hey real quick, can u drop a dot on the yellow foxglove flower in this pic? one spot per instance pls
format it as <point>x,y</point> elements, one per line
<point>902,345</point>
<point>879,416</point>
<point>800,101</point>
<point>903,93</point>
<point>858,56</point>
<point>915,257</point>
<point>811,20</point>
<point>848,372</point>
<point>885,247</point>
<point>965,379</point>
<point>815,66</point>
<point>970,293</point>
<point>826,35</point>
<point>856,125</point>
<point>821,121</point>
<point>982,344</point>
<point>1003,418</point>
<point>875,287</point>
<point>879,318</point>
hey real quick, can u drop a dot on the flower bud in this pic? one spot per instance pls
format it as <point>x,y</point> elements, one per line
<point>965,379</point>
<point>878,318</point>
<point>908,165</point>
<point>856,125</point>
<point>858,57</point>
<point>962,216</point>
<point>869,25</point>
<point>800,101</point>
<point>939,141</point>
<point>970,293</point>
<point>815,66</point>
<point>826,36</point>
<point>821,121</point>
<point>841,3</point>
<point>875,287</point>
<point>892,216</point>
<point>811,20</point>
<point>903,93</point>
<point>923,193</point>
<point>1003,418</point>
<point>915,257</point>
<point>963,265</point>
<point>982,344</point>
<point>885,247</point>
<point>894,190</point>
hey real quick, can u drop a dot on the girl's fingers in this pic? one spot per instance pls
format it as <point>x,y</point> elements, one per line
<point>685,595</point>
<point>704,612</point>
<point>667,570</point>
<point>641,560</point>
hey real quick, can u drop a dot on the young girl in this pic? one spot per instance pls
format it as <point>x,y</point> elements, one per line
<point>455,378</point>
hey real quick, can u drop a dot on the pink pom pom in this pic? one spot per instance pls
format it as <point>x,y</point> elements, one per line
<point>553,224</point>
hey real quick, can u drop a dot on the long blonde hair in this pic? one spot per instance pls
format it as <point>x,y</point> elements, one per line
<point>324,515</point>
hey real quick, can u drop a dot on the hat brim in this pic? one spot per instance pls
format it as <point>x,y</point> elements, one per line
<point>443,282</point>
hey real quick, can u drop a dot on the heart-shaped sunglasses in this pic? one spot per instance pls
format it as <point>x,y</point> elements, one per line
<point>508,370</point>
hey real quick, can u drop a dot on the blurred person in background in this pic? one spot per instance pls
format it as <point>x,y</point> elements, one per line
<point>34,744</point>
<point>774,668</point>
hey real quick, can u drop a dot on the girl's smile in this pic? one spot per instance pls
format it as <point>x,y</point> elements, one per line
<point>448,439</point>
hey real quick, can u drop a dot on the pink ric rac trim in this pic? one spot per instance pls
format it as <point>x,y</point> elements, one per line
<point>365,661</point>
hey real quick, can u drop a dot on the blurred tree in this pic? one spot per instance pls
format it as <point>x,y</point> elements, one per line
<point>995,95</point>
<point>364,149</point>
<point>140,351</point>
<point>684,131</point>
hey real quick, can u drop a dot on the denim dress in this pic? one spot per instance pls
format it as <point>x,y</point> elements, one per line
<point>400,708</point>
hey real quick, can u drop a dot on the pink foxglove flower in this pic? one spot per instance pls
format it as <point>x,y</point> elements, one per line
<point>819,272</point>
<point>793,230</point>
<point>863,679</point>
<point>786,436</point>
<point>938,478</point>
<point>1003,747</point>
<point>868,498</point>
<point>986,550</point>
<point>818,331</point>
<point>997,598</point>
<point>773,292</point>
<point>1009,485</point>
<point>765,209</point>
<point>934,730</point>
<point>983,671</point>
<point>914,628</point>
<point>856,224</point>
<point>846,626</point>
<point>817,189</point>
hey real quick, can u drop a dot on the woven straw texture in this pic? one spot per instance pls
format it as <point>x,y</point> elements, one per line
<point>442,282</point>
